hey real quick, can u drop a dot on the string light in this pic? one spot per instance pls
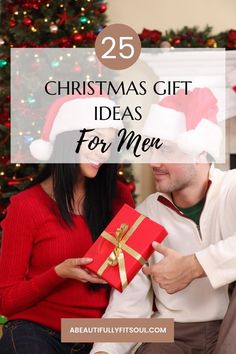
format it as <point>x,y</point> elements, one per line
<point>33,29</point>
<point>2,173</point>
<point>20,133</point>
<point>91,58</point>
<point>45,20</point>
<point>18,165</point>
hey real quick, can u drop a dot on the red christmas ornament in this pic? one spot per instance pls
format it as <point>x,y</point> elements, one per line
<point>27,21</point>
<point>7,124</point>
<point>64,42</point>
<point>77,37</point>
<point>90,36</point>
<point>234,88</point>
<point>176,41</point>
<point>35,6</point>
<point>28,6</point>
<point>12,22</point>
<point>103,8</point>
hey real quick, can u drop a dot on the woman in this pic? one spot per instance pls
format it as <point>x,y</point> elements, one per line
<point>47,230</point>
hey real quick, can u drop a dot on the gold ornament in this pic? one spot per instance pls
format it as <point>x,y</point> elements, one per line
<point>211,42</point>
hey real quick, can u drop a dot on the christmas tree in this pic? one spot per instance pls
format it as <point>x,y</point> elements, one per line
<point>37,24</point>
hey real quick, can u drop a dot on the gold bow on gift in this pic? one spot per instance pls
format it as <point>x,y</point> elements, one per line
<point>116,257</point>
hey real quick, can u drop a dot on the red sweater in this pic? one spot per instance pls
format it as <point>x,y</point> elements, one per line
<point>34,242</point>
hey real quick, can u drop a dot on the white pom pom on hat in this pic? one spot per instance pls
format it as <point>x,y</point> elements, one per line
<point>41,149</point>
<point>71,113</point>
<point>206,136</point>
<point>165,123</point>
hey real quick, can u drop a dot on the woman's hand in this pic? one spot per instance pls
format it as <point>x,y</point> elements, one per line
<point>70,268</point>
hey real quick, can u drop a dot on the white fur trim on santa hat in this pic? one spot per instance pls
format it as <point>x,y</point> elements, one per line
<point>74,114</point>
<point>164,123</point>
<point>80,113</point>
<point>207,136</point>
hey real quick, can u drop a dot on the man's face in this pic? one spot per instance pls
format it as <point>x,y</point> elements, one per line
<point>173,177</point>
<point>169,175</point>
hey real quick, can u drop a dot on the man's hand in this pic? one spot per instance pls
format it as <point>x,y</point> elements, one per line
<point>175,271</point>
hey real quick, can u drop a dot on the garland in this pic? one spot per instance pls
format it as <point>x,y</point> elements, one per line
<point>188,37</point>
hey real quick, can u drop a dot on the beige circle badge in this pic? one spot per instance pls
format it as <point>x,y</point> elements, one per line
<point>118,47</point>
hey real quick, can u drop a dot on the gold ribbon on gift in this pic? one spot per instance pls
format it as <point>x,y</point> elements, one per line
<point>116,257</point>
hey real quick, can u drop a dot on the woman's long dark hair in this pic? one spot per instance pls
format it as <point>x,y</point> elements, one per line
<point>99,191</point>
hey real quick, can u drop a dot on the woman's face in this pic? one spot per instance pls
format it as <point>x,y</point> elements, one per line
<point>91,160</point>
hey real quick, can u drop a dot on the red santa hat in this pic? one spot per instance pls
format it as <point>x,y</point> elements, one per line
<point>71,113</point>
<point>188,120</point>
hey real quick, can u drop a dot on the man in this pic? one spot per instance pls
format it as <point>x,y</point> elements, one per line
<point>190,272</point>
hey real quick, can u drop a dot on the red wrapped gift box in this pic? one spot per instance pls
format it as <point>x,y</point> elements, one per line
<point>124,247</point>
